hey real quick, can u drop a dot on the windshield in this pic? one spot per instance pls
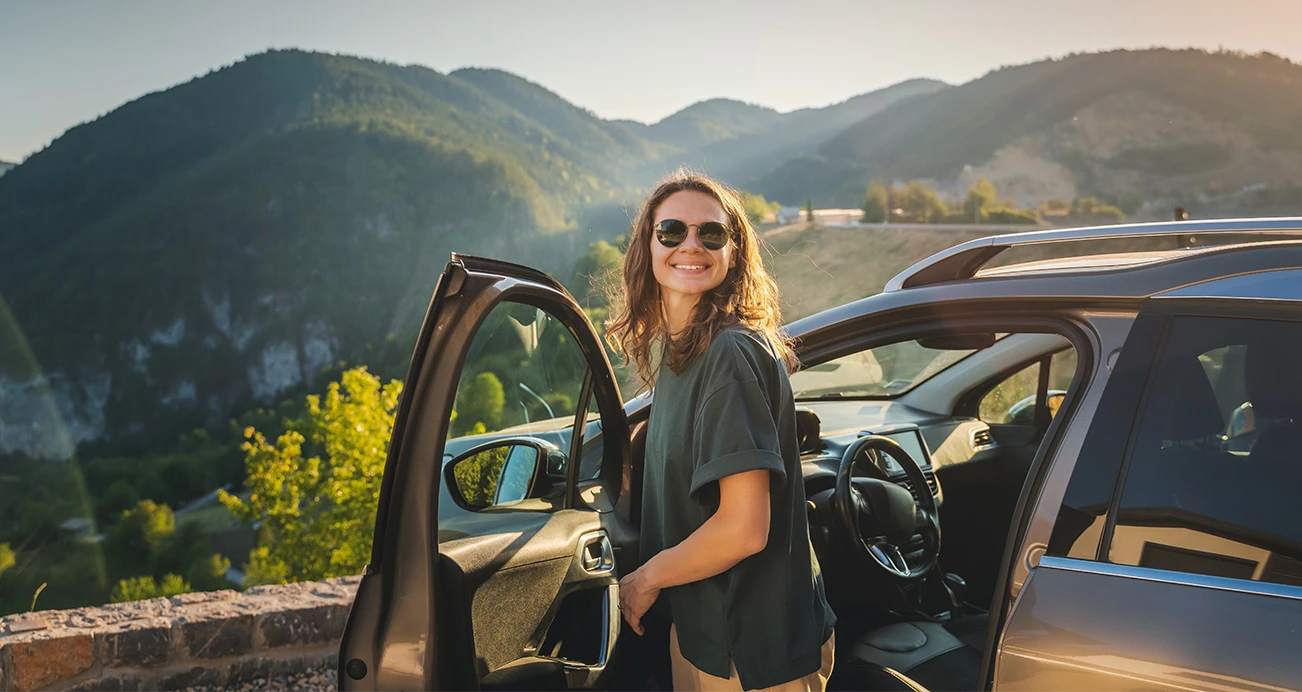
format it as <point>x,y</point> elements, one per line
<point>881,372</point>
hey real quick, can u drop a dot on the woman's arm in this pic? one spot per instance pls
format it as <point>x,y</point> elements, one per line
<point>739,529</point>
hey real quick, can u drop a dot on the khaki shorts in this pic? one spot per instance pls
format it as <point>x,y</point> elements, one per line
<point>689,677</point>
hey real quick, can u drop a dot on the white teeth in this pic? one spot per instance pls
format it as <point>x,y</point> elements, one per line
<point>690,266</point>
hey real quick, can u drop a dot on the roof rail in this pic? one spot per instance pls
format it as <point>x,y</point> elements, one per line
<point>965,260</point>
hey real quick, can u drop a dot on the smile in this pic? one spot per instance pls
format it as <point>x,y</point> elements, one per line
<point>691,267</point>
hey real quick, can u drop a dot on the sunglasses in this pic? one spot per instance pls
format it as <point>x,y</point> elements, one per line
<point>672,232</point>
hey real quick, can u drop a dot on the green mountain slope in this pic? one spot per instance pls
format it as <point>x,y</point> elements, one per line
<point>214,245</point>
<point>1151,124</point>
<point>599,144</point>
<point>711,121</point>
<point>801,132</point>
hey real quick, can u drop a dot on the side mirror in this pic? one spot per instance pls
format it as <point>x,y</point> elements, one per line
<point>502,472</point>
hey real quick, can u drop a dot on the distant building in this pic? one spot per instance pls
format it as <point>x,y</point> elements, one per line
<point>837,217</point>
<point>786,215</point>
<point>82,528</point>
<point>822,217</point>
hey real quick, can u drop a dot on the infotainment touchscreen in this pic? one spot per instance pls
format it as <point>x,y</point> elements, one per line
<point>912,443</point>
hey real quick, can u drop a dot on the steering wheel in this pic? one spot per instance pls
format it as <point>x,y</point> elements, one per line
<point>879,516</point>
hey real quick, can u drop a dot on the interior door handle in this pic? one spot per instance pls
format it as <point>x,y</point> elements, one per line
<point>597,554</point>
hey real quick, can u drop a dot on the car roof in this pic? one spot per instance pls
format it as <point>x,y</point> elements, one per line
<point>964,260</point>
<point>1121,285</point>
<point>1278,284</point>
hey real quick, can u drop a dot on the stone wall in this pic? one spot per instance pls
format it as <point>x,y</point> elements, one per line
<point>214,638</point>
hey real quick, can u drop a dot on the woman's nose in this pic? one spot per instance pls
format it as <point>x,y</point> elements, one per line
<point>692,241</point>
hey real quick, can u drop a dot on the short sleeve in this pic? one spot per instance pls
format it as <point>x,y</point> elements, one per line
<point>736,427</point>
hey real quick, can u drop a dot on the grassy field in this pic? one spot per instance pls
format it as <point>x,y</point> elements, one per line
<point>820,267</point>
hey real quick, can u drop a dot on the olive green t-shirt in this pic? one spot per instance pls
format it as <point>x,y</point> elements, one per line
<point>730,411</point>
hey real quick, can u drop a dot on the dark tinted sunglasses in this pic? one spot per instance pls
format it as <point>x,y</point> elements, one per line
<point>672,232</point>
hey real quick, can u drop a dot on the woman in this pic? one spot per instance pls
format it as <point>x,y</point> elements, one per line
<point>725,540</point>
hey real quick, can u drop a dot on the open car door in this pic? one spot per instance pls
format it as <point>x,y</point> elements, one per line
<point>494,559</point>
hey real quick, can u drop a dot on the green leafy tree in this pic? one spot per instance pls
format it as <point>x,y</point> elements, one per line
<point>141,588</point>
<point>1091,210</point>
<point>598,268</point>
<point>139,533</point>
<point>480,401</point>
<point>876,203</point>
<point>921,203</point>
<point>7,558</point>
<point>980,196</point>
<point>315,490</point>
<point>209,573</point>
<point>757,208</point>
<point>1056,207</point>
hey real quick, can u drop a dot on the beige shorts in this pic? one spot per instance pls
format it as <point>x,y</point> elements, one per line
<point>689,677</point>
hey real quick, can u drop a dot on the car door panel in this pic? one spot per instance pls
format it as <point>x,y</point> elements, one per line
<point>507,586</point>
<point>516,588</point>
<point>1074,627</point>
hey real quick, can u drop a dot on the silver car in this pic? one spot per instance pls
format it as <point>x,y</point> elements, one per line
<point>1104,424</point>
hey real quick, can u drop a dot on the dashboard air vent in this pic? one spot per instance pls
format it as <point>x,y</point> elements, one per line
<point>981,439</point>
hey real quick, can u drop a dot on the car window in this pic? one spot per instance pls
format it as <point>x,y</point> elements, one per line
<point>882,372</point>
<point>1216,468</point>
<point>1012,401</point>
<point>523,377</point>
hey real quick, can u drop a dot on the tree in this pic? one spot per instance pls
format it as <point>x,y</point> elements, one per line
<point>139,533</point>
<point>922,203</point>
<point>141,588</point>
<point>1056,207</point>
<point>757,208</point>
<point>979,197</point>
<point>809,210</point>
<point>315,490</point>
<point>209,574</point>
<point>480,400</point>
<point>599,267</point>
<point>1091,210</point>
<point>876,203</point>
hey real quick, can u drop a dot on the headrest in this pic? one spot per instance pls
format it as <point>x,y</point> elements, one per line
<point>1184,402</point>
<point>1273,374</point>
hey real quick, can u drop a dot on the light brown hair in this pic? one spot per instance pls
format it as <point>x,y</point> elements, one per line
<point>748,296</point>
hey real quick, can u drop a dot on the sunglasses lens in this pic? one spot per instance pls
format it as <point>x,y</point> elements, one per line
<point>671,232</point>
<point>714,235</point>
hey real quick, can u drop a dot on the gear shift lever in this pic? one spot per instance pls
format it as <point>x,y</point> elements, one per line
<point>956,589</point>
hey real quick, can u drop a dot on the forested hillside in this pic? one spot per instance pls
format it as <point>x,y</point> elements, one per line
<point>1153,125</point>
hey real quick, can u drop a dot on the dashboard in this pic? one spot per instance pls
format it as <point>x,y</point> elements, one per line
<point>933,441</point>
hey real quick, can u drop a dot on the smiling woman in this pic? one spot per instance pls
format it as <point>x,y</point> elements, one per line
<point>725,547</point>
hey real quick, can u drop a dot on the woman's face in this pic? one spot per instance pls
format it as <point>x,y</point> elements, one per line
<point>690,269</point>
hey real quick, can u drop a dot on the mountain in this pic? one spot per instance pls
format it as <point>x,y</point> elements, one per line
<point>5,167</point>
<point>742,158</point>
<point>212,246</point>
<point>598,143</point>
<point>1154,125</point>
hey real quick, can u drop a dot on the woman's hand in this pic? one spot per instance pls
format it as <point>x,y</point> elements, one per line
<point>636,595</point>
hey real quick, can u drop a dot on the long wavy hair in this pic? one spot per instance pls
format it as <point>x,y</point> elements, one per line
<point>748,295</point>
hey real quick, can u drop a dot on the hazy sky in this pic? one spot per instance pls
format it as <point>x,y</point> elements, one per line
<point>62,63</point>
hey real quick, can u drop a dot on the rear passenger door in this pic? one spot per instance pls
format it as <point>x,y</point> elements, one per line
<point>494,563</point>
<point>1176,559</point>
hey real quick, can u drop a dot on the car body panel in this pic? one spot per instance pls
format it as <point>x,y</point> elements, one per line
<point>1078,627</point>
